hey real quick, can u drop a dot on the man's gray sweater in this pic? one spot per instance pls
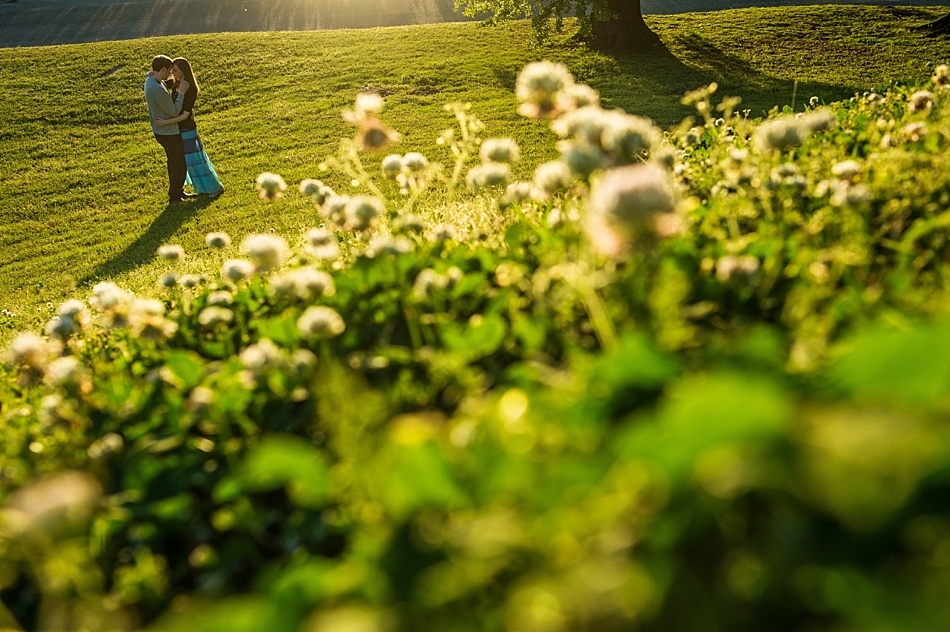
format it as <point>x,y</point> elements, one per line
<point>161,105</point>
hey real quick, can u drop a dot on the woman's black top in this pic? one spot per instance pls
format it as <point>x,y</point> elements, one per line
<point>188,106</point>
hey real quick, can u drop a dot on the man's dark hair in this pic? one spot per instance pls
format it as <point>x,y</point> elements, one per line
<point>161,61</point>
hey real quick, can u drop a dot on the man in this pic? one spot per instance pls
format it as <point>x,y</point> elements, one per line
<point>161,105</point>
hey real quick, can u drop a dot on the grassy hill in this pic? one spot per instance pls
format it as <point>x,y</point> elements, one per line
<point>82,193</point>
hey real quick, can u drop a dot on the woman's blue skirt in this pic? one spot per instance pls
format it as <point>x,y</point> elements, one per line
<point>201,173</point>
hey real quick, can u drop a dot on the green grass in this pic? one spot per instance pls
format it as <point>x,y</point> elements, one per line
<point>82,192</point>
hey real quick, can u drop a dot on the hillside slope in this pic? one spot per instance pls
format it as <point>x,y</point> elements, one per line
<point>82,194</point>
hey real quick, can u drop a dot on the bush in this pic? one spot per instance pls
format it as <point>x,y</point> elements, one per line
<point>678,381</point>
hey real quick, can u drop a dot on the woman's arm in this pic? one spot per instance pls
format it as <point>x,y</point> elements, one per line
<point>178,119</point>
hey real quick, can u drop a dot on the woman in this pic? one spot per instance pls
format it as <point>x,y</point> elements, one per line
<point>201,173</point>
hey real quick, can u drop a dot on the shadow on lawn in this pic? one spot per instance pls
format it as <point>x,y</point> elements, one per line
<point>653,81</point>
<point>143,249</point>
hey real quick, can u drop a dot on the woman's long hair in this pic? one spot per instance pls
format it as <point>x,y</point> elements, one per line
<point>186,70</point>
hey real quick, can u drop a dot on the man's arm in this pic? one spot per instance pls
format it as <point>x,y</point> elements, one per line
<point>162,102</point>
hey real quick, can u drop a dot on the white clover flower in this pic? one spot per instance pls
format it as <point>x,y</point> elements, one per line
<point>519,191</point>
<point>847,169</point>
<point>200,399</point>
<point>236,270</point>
<point>585,124</point>
<point>334,209</point>
<point>500,150</point>
<point>389,245</point>
<point>172,252</point>
<point>221,298</point>
<point>61,327</point>
<point>577,96</point>
<point>731,266</point>
<point>665,157</point>
<point>414,162</point>
<point>65,371</point>
<point>583,158</point>
<point>147,307</point>
<point>628,138</point>
<point>261,356</point>
<point>147,320</point>
<point>369,103</point>
<point>846,194</point>
<point>693,136</point>
<point>391,166</point>
<point>362,212</point>
<point>814,102</point>
<point>271,186</point>
<point>788,132</point>
<point>309,186</point>
<point>72,308</point>
<point>55,504</point>
<point>624,206</point>
<point>320,322</point>
<point>913,132</point>
<point>552,177</point>
<point>921,101</point>
<point>489,174</point>
<point>426,281</point>
<point>168,280</point>
<point>304,284</point>
<point>316,190</point>
<point>322,244</point>
<point>942,76</point>
<point>282,285</point>
<point>28,350</point>
<point>211,317</point>
<point>189,281</point>
<point>302,361</point>
<point>442,232</point>
<point>516,192</point>
<point>738,156</point>
<point>453,275</point>
<point>108,295</point>
<point>373,134</point>
<point>538,87</point>
<point>266,252</point>
<point>820,120</point>
<point>218,240</point>
<point>310,284</point>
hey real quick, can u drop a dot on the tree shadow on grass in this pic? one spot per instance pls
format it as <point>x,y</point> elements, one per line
<point>143,249</point>
<point>652,82</point>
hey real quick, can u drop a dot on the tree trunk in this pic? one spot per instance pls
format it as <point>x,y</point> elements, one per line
<point>624,29</point>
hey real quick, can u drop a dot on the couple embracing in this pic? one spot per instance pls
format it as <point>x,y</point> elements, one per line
<point>170,92</point>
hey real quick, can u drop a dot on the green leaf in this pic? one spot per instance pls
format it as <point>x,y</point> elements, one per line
<point>532,332</point>
<point>635,362</point>
<point>281,329</point>
<point>290,462</point>
<point>416,476</point>
<point>703,411</point>
<point>187,367</point>
<point>237,614</point>
<point>907,366</point>
<point>481,337</point>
